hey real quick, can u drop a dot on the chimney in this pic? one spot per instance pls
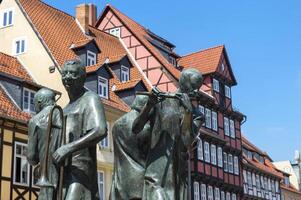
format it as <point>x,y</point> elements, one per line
<point>86,15</point>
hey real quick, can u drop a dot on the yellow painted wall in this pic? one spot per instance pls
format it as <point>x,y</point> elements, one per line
<point>35,59</point>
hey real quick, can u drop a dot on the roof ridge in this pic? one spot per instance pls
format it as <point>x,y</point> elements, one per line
<point>63,12</point>
<point>202,50</point>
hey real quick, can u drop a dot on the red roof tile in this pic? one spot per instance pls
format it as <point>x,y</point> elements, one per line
<point>127,85</point>
<point>205,60</point>
<point>11,66</point>
<point>141,33</point>
<point>80,43</point>
<point>10,110</point>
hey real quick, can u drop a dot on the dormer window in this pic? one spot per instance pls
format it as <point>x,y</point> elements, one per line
<point>125,74</point>
<point>103,87</point>
<point>173,61</point>
<point>228,91</point>
<point>28,100</point>
<point>215,85</point>
<point>91,58</point>
<point>115,32</point>
<point>7,17</point>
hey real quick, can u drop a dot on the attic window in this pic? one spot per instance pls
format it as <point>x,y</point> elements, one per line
<point>7,17</point>
<point>91,58</point>
<point>28,103</point>
<point>173,61</point>
<point>115,32</point>
<point>215,85</point>
<point>103,87</point>
<point>125,74</point>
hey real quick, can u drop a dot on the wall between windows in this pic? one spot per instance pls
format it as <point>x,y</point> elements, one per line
<point>36,59</point>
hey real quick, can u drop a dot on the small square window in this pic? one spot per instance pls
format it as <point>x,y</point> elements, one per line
<point>125,74</point>
<point>7,17</point>
<point>91,58</point>
<point>19,46</point>
<point>28,100</point>
<point>103,87</point>
<point>115,32</point>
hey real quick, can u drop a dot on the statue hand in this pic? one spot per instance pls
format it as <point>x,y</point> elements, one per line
<point>60,154</point>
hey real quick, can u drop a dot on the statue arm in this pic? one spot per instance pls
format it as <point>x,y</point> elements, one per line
<point>32,152</point>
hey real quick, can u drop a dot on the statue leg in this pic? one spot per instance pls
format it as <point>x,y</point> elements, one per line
<point>77,191</point>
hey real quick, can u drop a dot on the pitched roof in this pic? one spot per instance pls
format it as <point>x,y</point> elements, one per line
<point>142,35</point>
<point>290,188</point>
<point>10,110</point>
<point>11,66</point>
<point>247,144</point>
<point>205,60</point>
<point>127,85</point>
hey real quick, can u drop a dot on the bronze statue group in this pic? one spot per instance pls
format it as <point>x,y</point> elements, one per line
<point>150,142</point>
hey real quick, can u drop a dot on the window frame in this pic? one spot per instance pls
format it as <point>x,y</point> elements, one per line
<point>213,154</point>
<point>208,118</point>
<point>236,165</point>
<point>107,138</point>
<point>102,84</point>
<point>232,128</point>
<point>230,163</point>
<point>112,30</point>
<point>227,91</point>
<point>207,152</point>
<point>7,10</point>
<point>29,96</point>
<point>126,71</point>
<point>220,161</point>
<point>225,158</point>
<point>103,183</point>
<point>200,151</point>
<point>14,167</point>
<point>214,118</point>
<point>215,84</point>
<point>203,192</point>
<point>210,192</point>
<point>196,190</point>
<point>14,46</point>
<point>226,126</point>
<point>91,56</point>
<point>217,194</point>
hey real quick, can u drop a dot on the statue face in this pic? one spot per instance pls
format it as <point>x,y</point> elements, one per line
<point>72,78</point>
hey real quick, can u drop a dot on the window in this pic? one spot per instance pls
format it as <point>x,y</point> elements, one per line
<point>19,46</point>
<point>101,185</point>
<point>228,196</point>
<point>208,118</point>
<point>233,196</point>
<point>125,74</point>
<point>207,152</point>
<point>203,192</point>
<point>215,85</point>
<point>196,190</point>
<point>214,121</point>
<point>28,100</point>
<point>225,162</point>
<point>249,179</point>
<point>222,195</point>
<point>104,143</point>
<point>202,110</point>
<point>200,150</point>
<point>226,126</point>
<point>216,194</point>
<point>250,155</point>
<point>91,58</point>
<point>115,32</point>
<point>21,166</point>
<point>210,193</point>
<point>103,87</point>
<point>257,182</point>
<point>220,157</point>
<point>7,17</point>
<point>232,129</point>
<point>230,163</point>
<point>227,91</point>
<point>173,61</point>
<point>213,154</point>
<point>236,167</point>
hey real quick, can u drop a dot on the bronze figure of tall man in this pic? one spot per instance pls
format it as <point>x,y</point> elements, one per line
<point>85,127</point>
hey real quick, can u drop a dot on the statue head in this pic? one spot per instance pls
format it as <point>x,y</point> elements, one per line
<point>139,102</point>
<point>73,75</point>
<point>43,98</point>
<point>190,80</point>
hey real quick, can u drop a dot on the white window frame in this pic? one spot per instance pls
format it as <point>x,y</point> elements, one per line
<point>236,165</point>
<point>228,91</point>
<point>105,86</point>
<point>202,110</point>
<point>232,128</point>
<point>116,32</point>
<point>124,73</point>
<point>103,183</point>
<point>200,152</point>
<point>208,118</point>
<point>226,126</point>
<point>230,163</point>
<point>222,195</point>
<point>2,12</point>
<point>216,194</point>
<point>207,152</point>
<point>196,190</point>
<point>215,85</point>
<point>214,121</point>
<point>233,196</point>
<point>14,45</point>
<point>228,196</point>
<point>225,161</point>
<point>30,92</point>
<point>220,156</point>
<point>210,192</point>
<point>91,58</point>
<point>203,192</point>
<point>213,154</point>
<point>22,157</point>
<point>105,142</point>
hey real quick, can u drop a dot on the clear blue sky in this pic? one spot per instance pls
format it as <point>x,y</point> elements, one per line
<point>263,40</point>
